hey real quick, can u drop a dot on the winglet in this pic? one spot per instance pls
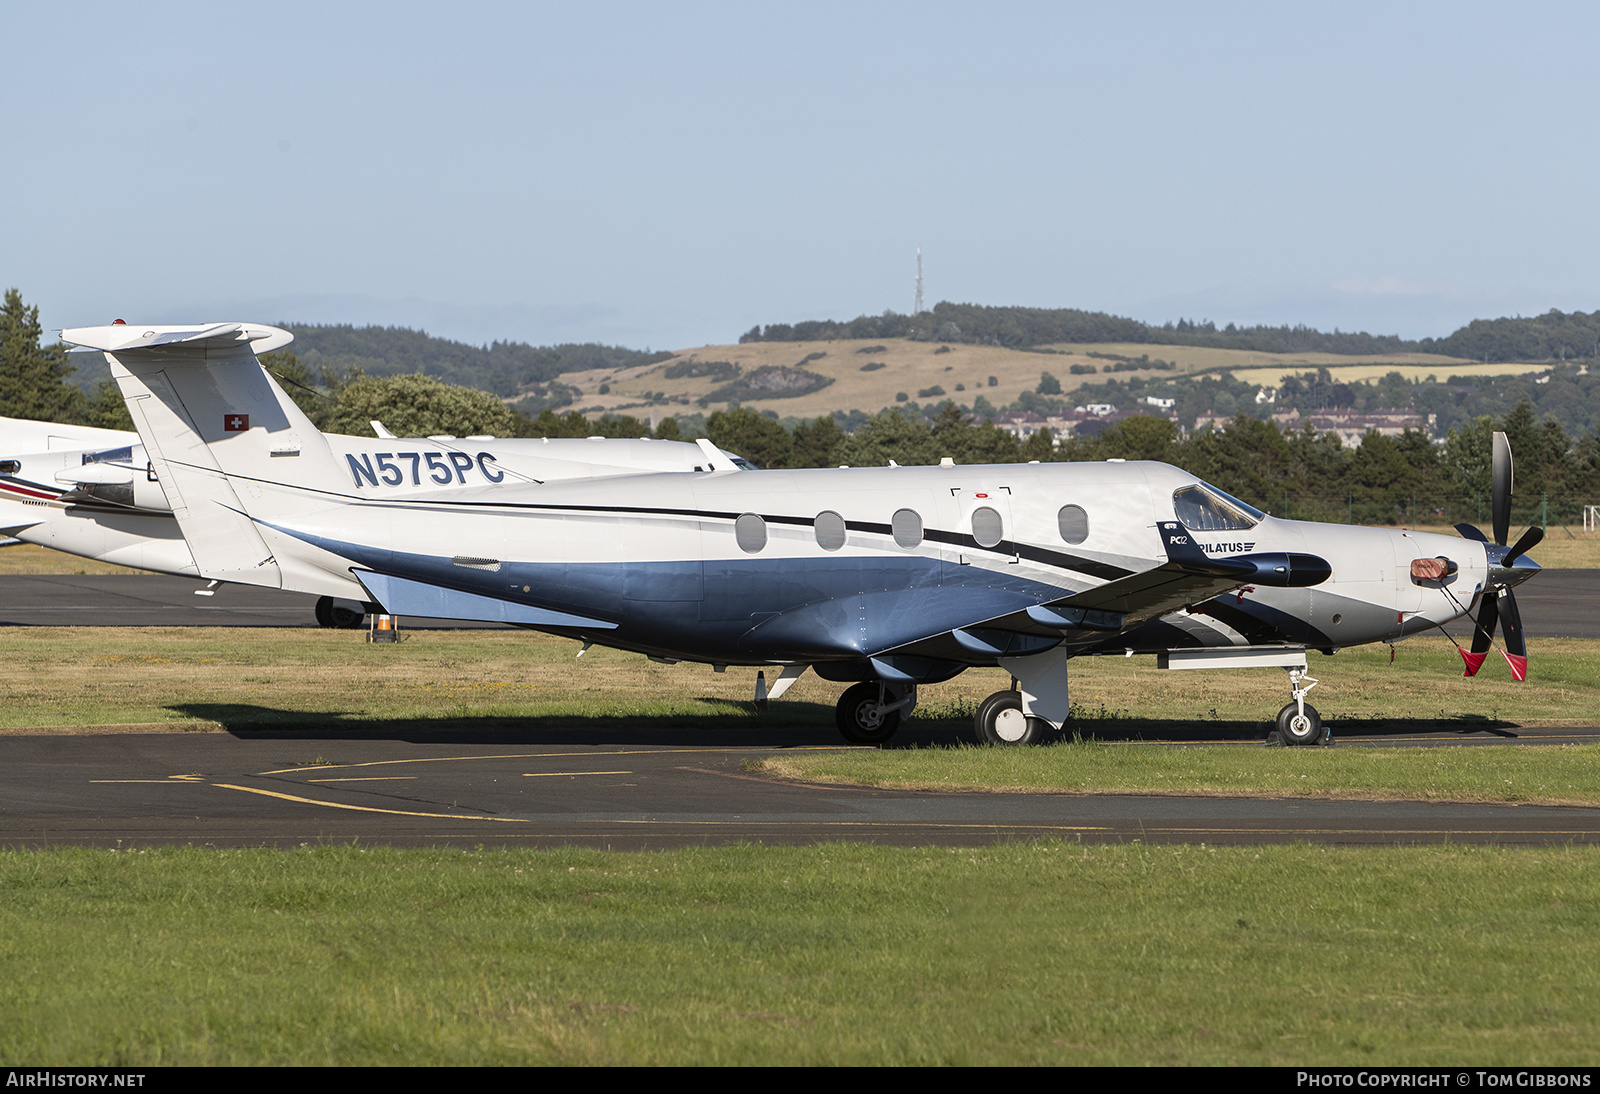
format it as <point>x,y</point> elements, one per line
<point>714,456</point>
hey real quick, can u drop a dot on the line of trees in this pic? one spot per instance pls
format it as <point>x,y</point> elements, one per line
<point>1023,327</point>
<point>1552,336</point>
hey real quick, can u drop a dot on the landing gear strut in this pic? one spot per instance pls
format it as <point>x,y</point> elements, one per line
<point>869,713</point>
<point>1299,723</point>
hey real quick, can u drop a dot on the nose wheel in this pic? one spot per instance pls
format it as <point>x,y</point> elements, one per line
<point>1298,722</point>
<point>869,713</point>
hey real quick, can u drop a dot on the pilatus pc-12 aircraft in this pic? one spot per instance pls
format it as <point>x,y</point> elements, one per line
<point>885,579</point>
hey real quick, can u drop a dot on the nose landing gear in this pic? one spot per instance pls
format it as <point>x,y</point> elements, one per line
<point>869,713</point>
<point>1299,723</point>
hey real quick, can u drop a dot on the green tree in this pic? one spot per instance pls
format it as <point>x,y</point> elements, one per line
<point>1141,437</point>
<point>1040,446</point>
<point>418,406</point>
<point>814,443</point>
<point>958,438</point>
<point>551,424</point>
<point>892,435</point>
<point>618,425</point>
<point>757,438</point>
<point>33,380</point>
<point>106,409</point>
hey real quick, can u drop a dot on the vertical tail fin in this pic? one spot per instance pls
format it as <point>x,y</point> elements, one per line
<point>219,432</point>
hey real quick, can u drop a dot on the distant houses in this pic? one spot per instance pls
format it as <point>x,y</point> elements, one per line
<point>1090,420</point>
<point>1083,421</point>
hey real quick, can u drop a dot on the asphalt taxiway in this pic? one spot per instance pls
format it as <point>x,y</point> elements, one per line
<point>285,790</point>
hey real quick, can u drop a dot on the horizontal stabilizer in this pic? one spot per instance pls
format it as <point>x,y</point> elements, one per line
<point>96,474</point>
<point>403,596</point>
<point>121,338</point>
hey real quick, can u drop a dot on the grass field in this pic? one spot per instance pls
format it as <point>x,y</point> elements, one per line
<point>1208,359</point>
<point>1546,775</point>
<point>236,677</point>
<point>1363,371</point>
<point>907,366</point>
<point>1048,953</point>
<point>914,366</point>
<point>27,558</point>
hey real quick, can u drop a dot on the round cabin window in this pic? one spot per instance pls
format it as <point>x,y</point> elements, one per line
<point>1074,523</point>
<point>907,527</point>
<point>987,529</point>
<point>750,533</point>
<point>830,531</point>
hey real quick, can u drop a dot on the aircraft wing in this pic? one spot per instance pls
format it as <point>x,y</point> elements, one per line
<point>1088,618</point>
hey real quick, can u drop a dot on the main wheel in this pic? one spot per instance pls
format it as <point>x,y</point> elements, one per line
<point>1000,721</point>
<point>1298,729</point>
<point>861,718</point>
<point>346,618</point>
<point>338,615</point>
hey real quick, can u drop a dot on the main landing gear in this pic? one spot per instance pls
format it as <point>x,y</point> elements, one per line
<point>1298,722</point>
<point>341,615</point>
<point>869,713</point>
<point>1000,721</point>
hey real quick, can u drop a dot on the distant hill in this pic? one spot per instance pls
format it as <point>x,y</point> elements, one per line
<point>1552,336</point>
<point>963,351</point>
<point>1016,328</point>
<point>1549,337</point>
<point>507,369</point>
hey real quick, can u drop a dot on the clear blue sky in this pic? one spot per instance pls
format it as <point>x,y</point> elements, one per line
<point>671,174</point>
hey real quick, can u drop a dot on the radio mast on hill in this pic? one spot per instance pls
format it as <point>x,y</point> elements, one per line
<point>916,301</point>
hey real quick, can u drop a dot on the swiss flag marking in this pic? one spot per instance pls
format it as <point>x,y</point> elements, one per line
<point>235,423</point>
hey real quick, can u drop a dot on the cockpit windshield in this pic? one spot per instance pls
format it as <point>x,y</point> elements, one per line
<point>1204,508</point>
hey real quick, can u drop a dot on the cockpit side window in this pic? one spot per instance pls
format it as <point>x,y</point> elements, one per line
<point>1207,509</point>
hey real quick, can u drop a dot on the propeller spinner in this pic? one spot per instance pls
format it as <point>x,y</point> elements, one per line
<point>1507,567</point>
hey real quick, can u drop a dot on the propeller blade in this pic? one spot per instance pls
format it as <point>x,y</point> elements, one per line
<point>1469,531</point>
<point>1483,636</point>
<point>1516,649</point>
<point>1488,617</point>
<point>1500,467</point>
<point>1530,539</point>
